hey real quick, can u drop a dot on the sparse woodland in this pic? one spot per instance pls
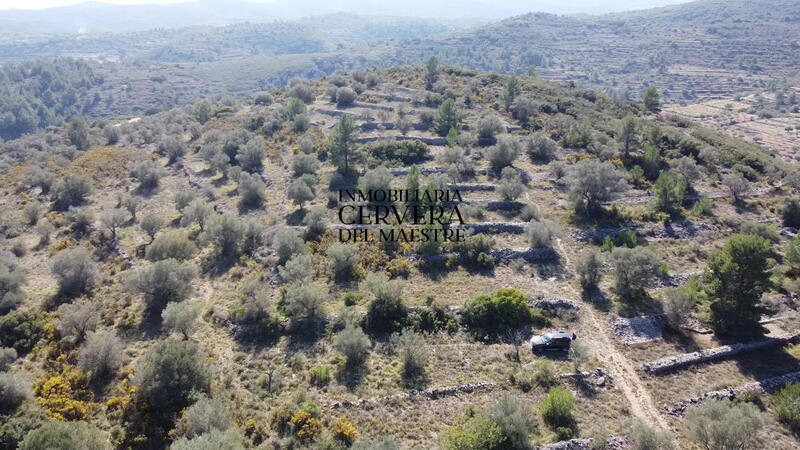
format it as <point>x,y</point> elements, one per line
<point>175,280</point>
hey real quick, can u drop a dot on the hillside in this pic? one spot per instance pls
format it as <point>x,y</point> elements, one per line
<point>694,52</point>
<point>177,279</point>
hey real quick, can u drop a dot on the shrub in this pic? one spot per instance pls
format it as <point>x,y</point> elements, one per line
<point>432,317</point>
<point>101,355</point>
<point>353,344</point>
<point>678,307</point>
<point>7,357</point>
<point>316,222</point>
<point>545,375</point>
<point>304,163</point>
<point>722,424</point>
<point>302,90</point>
<point>343,431</point>
<point>458,165</point>
<point>70,190</point>
<point>263,98</point>
<point>288,243</point>
<point>206,415</point>
<point>345,97</point>
<point>790,212</point>
<point>147,173</point>
<point>21,330</point>
<point>646,437</point>
<point>78,134</point>
<point>492,315</point>
<point>13,391</point>
<point>252,189</point>
<point>478,433</point>
<point>344,259</point>
<point>413,355</point>
<point>75,271</point>
<point>489,126</point>
<point>787,405</point>
<point>213,440</point>
<point>516,420</point>
<point>171,245</point>
<point>588,269</point>
<point>634,268</point>
<point>254,236</point>
<point>305,300</point>
<point>386,313</point>
<point>540,234</point>
<point>474,250</point>
<point>183,198</point>
<point>180,317</point>
<point>556,409</point>
<point>540,148</point>
<point>66,436</point>
<point>399,152</point>
<point>225,233</point>
<point>75,320</point>
<point>503,154</point>
<point>12,277</point>
<point>33,210</point>
<point>511,185</point>
<point>251,158</point>
<point>298,269</point>
<point>169,374</point>
<point>35,176</point>
<point>81,219</point>
<point>162,282</point>
<point>320,376</point>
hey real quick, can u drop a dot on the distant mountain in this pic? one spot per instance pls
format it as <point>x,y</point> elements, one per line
<point>95,17</point>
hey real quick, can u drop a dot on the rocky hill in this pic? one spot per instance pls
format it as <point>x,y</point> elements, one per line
<point>177,279</point>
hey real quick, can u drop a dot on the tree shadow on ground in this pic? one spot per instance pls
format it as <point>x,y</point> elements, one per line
<point>352,377</point>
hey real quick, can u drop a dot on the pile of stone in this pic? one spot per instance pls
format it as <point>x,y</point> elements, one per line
<point>766,386</point>
<point>612,443</point>
<point>431,394</point>
<point>637,330</point>
<point>676,362</point>
<point>554,303</point>
<point>497,227</point>
<point>531,255</point>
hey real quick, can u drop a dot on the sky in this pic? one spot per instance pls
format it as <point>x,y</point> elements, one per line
<point>574,5</point>
<point>43,4</point>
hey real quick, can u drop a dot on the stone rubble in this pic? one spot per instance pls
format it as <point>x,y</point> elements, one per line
<point>636,330</point>
<point>431,394</point>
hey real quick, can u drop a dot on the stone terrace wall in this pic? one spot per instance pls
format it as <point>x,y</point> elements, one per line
<point>766,386</point>
<point>676,362</point>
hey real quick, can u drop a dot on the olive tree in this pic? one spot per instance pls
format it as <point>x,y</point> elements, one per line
<point>77,319</point>
<point>354,345</point>
<point>162,282</point>
<point>180,317</point>
<point>70,190</point>
<point>592,182</point>
<point>634,269</point>
<point>225,233</point>
<point>170,374</point>
<point>305,300</point>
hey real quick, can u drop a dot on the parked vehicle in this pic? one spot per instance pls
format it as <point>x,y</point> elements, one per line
<point>552,341</point>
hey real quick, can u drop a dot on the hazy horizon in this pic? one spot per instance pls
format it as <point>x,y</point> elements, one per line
<point>461,9</point>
